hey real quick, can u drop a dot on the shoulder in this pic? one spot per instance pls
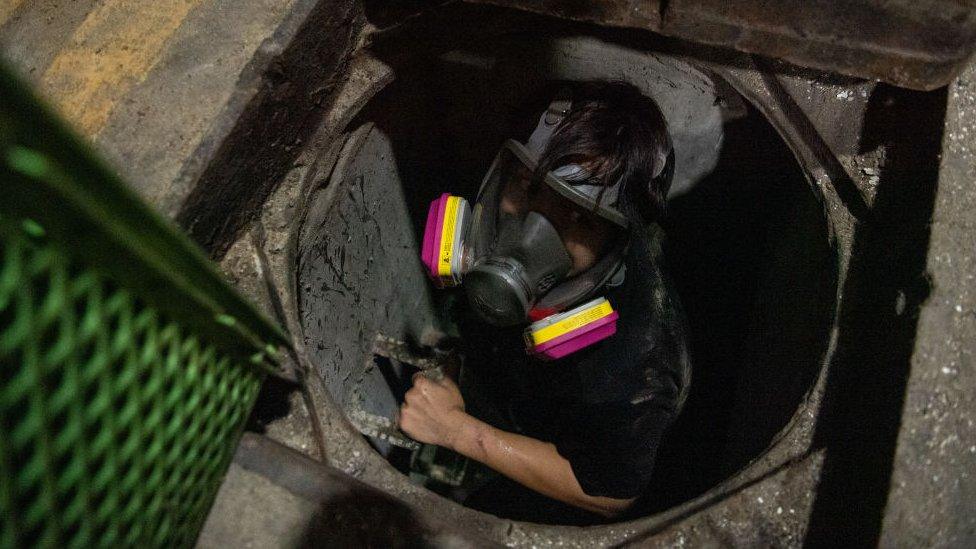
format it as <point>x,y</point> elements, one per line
<point>652,342</point>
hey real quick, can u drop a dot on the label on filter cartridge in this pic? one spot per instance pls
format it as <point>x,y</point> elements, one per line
<point>564,323</point>
<point>447,236</point>
<point>442,252</point>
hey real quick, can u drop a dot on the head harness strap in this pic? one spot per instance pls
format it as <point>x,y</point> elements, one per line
<point>548,122</point>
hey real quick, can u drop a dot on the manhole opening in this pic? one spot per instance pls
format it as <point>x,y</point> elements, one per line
<point>747,245</point>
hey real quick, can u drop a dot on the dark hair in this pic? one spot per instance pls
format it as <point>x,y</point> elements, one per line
<point>622,134</point>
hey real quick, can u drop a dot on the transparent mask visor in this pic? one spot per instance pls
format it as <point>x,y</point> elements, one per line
<point>594,233</point>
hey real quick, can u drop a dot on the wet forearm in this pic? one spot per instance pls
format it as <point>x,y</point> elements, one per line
<point>530,462</point>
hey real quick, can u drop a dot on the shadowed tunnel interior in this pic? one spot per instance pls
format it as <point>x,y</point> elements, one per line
<point>760,312</point>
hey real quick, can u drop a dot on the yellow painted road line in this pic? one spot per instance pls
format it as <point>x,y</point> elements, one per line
<point>7,8</point>
<point>111,51</point>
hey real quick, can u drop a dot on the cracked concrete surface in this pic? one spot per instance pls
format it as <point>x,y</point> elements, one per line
<point>932,500</point>
<point>162,135</point>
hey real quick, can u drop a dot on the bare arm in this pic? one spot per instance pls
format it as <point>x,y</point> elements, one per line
<point>530,462</point>
<point>434,413</point>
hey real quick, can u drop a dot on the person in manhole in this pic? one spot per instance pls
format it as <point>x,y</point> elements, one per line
<point>575,343</point>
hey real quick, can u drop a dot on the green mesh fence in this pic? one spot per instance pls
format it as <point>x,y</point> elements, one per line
<point>127,366</point>
<point>117,422</point>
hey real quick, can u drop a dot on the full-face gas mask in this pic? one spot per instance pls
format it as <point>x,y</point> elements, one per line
<point>510,248</point>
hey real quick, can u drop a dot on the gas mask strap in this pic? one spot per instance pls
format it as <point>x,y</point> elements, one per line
<point>549,121</point>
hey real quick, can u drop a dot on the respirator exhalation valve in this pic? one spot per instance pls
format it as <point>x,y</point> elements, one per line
<point>502,289</point>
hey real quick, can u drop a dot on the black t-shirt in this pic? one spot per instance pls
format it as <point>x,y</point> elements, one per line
<point>605,407</point>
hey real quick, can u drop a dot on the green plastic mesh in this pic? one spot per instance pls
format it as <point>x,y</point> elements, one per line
<point>116,424</point>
